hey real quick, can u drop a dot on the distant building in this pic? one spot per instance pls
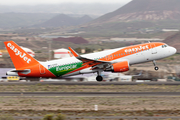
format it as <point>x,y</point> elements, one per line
<point>170,30</point>
<point>29,51</point>
<point>0,54</point>
<point>83,51</point>
<point>135,39</point>
<point>62,53</point>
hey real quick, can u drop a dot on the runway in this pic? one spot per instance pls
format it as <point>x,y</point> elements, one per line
<point>89,94</point>
<point>89,83</point>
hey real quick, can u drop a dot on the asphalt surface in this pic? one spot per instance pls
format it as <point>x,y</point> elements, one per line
<point>95,94</point>
<point>89,83</point>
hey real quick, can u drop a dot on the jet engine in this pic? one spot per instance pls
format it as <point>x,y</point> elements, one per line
<point>119,67</point>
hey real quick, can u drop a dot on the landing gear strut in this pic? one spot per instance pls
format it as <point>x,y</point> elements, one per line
<point>156,67</point>
<point>99,78</point>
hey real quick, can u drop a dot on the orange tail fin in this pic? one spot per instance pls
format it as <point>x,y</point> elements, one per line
<point>19,57</point>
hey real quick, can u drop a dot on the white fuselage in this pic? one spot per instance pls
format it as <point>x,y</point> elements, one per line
<point>132,57</point>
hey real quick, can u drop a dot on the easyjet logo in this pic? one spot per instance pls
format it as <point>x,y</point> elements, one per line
<point>19,53</point>
<point>137,48</point>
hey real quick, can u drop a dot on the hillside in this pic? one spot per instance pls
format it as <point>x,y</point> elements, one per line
<point>135,18</point>
<point>148,10</point>
<point>15,20</point>
<point>174,41</point>
<point>75,40</point>
<point>63,20</point>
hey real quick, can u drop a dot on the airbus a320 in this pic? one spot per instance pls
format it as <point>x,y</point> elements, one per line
<point>114,60</point>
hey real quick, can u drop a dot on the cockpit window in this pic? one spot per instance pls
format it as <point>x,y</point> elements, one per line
<point>163,46</point>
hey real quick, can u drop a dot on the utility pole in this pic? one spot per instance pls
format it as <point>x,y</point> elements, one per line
<point>49,50</point>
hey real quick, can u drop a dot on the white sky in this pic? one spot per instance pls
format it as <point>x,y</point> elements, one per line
<point>35,2</point>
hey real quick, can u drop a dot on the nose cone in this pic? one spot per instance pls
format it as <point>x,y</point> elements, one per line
<point>173,50</point>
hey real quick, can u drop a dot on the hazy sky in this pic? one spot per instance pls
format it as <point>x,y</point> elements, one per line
<point>35,2</point>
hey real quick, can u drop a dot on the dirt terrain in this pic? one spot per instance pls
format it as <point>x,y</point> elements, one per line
<point>84,106</point>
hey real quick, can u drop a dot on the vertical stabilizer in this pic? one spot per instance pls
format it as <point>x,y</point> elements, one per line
<point>19,57</point>
<point>25,64</point>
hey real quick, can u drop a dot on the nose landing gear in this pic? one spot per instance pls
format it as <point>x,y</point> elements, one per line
<point>156,67</point>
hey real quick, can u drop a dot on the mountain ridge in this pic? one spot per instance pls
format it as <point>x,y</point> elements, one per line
<point>140,10</point>
<point>136,18</point>
<point>63,20</point>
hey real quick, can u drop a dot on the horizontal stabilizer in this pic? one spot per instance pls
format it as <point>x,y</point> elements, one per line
<point>15,72</point>
<point>20,70</point>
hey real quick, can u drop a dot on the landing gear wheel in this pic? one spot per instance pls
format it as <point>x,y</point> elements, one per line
<point>156,68</point>
<point>99,78</point>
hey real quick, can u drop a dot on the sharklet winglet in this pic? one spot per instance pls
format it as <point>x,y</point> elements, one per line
<point>73,52</point>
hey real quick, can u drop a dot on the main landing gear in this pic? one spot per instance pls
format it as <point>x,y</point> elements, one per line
<point>156,67</point>
<point>99,78</point>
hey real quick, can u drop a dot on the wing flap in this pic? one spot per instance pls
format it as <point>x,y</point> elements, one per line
<point>95,64</point>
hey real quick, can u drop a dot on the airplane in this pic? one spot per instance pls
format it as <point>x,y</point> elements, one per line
<point>114,60</point>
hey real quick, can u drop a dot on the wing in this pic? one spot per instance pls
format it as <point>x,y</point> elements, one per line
<point>89,62</point>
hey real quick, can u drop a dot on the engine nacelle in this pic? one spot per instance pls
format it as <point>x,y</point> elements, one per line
<point>119,67</point>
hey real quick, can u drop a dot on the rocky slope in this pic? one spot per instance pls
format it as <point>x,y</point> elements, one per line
<point>144,10</point>
<point>174,41</point>
<point>135,18</point>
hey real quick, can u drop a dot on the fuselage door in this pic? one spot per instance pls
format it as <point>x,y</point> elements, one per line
<point>42,69</point>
